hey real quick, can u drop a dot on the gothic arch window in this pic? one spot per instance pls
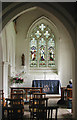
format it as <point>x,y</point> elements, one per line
<point>42,45</point>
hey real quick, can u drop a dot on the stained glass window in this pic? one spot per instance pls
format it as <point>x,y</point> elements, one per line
<point>51,52</point>
<point>33,52</point>
<point>42,46</point>
<point>42,53</point>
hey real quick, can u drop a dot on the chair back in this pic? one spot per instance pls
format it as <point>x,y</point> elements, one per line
<point>14,109</point>
<point>32,91</point>
<point>13,102</point>
<point>39,108</point>
<point>69,93</point>
<point>2,100</point>
<point>17,94</point>
<point>69,98</point>
<point>39,95</point>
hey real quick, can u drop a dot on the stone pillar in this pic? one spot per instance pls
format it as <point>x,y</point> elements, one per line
<point>1,75</point>
<point>5,79</point>
<point>75,83</point>
<point>1,87</point>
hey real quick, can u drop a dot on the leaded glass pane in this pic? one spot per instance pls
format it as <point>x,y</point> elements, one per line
<point>38,34</point>
<point>42,53</point>
<point>46,34</point>
<point>33,53</point>
<point>51,52</point>
<point>42,27</point>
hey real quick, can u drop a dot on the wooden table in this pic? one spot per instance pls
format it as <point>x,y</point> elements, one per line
<point>26,89</point>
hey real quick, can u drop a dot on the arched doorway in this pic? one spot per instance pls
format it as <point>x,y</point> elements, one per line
<point>7,16</point>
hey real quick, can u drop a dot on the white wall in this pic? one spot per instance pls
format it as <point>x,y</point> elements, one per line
<point>65,48</point>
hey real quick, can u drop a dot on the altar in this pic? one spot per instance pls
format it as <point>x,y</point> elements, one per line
<point>49,86</point>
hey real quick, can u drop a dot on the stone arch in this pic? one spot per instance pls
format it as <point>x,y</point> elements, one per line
<point>10,12</point>
<point>15,9</point>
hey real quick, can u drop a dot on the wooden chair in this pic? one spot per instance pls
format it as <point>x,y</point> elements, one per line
<point>38,105</point>
<point>32,91</point>
<point>51,108</point>
<point>17,94</point>
<point>14,109</point>
<point>39,108</point>
<point>69,97</point>
<point>2,99</point>
<point>69,93</point>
